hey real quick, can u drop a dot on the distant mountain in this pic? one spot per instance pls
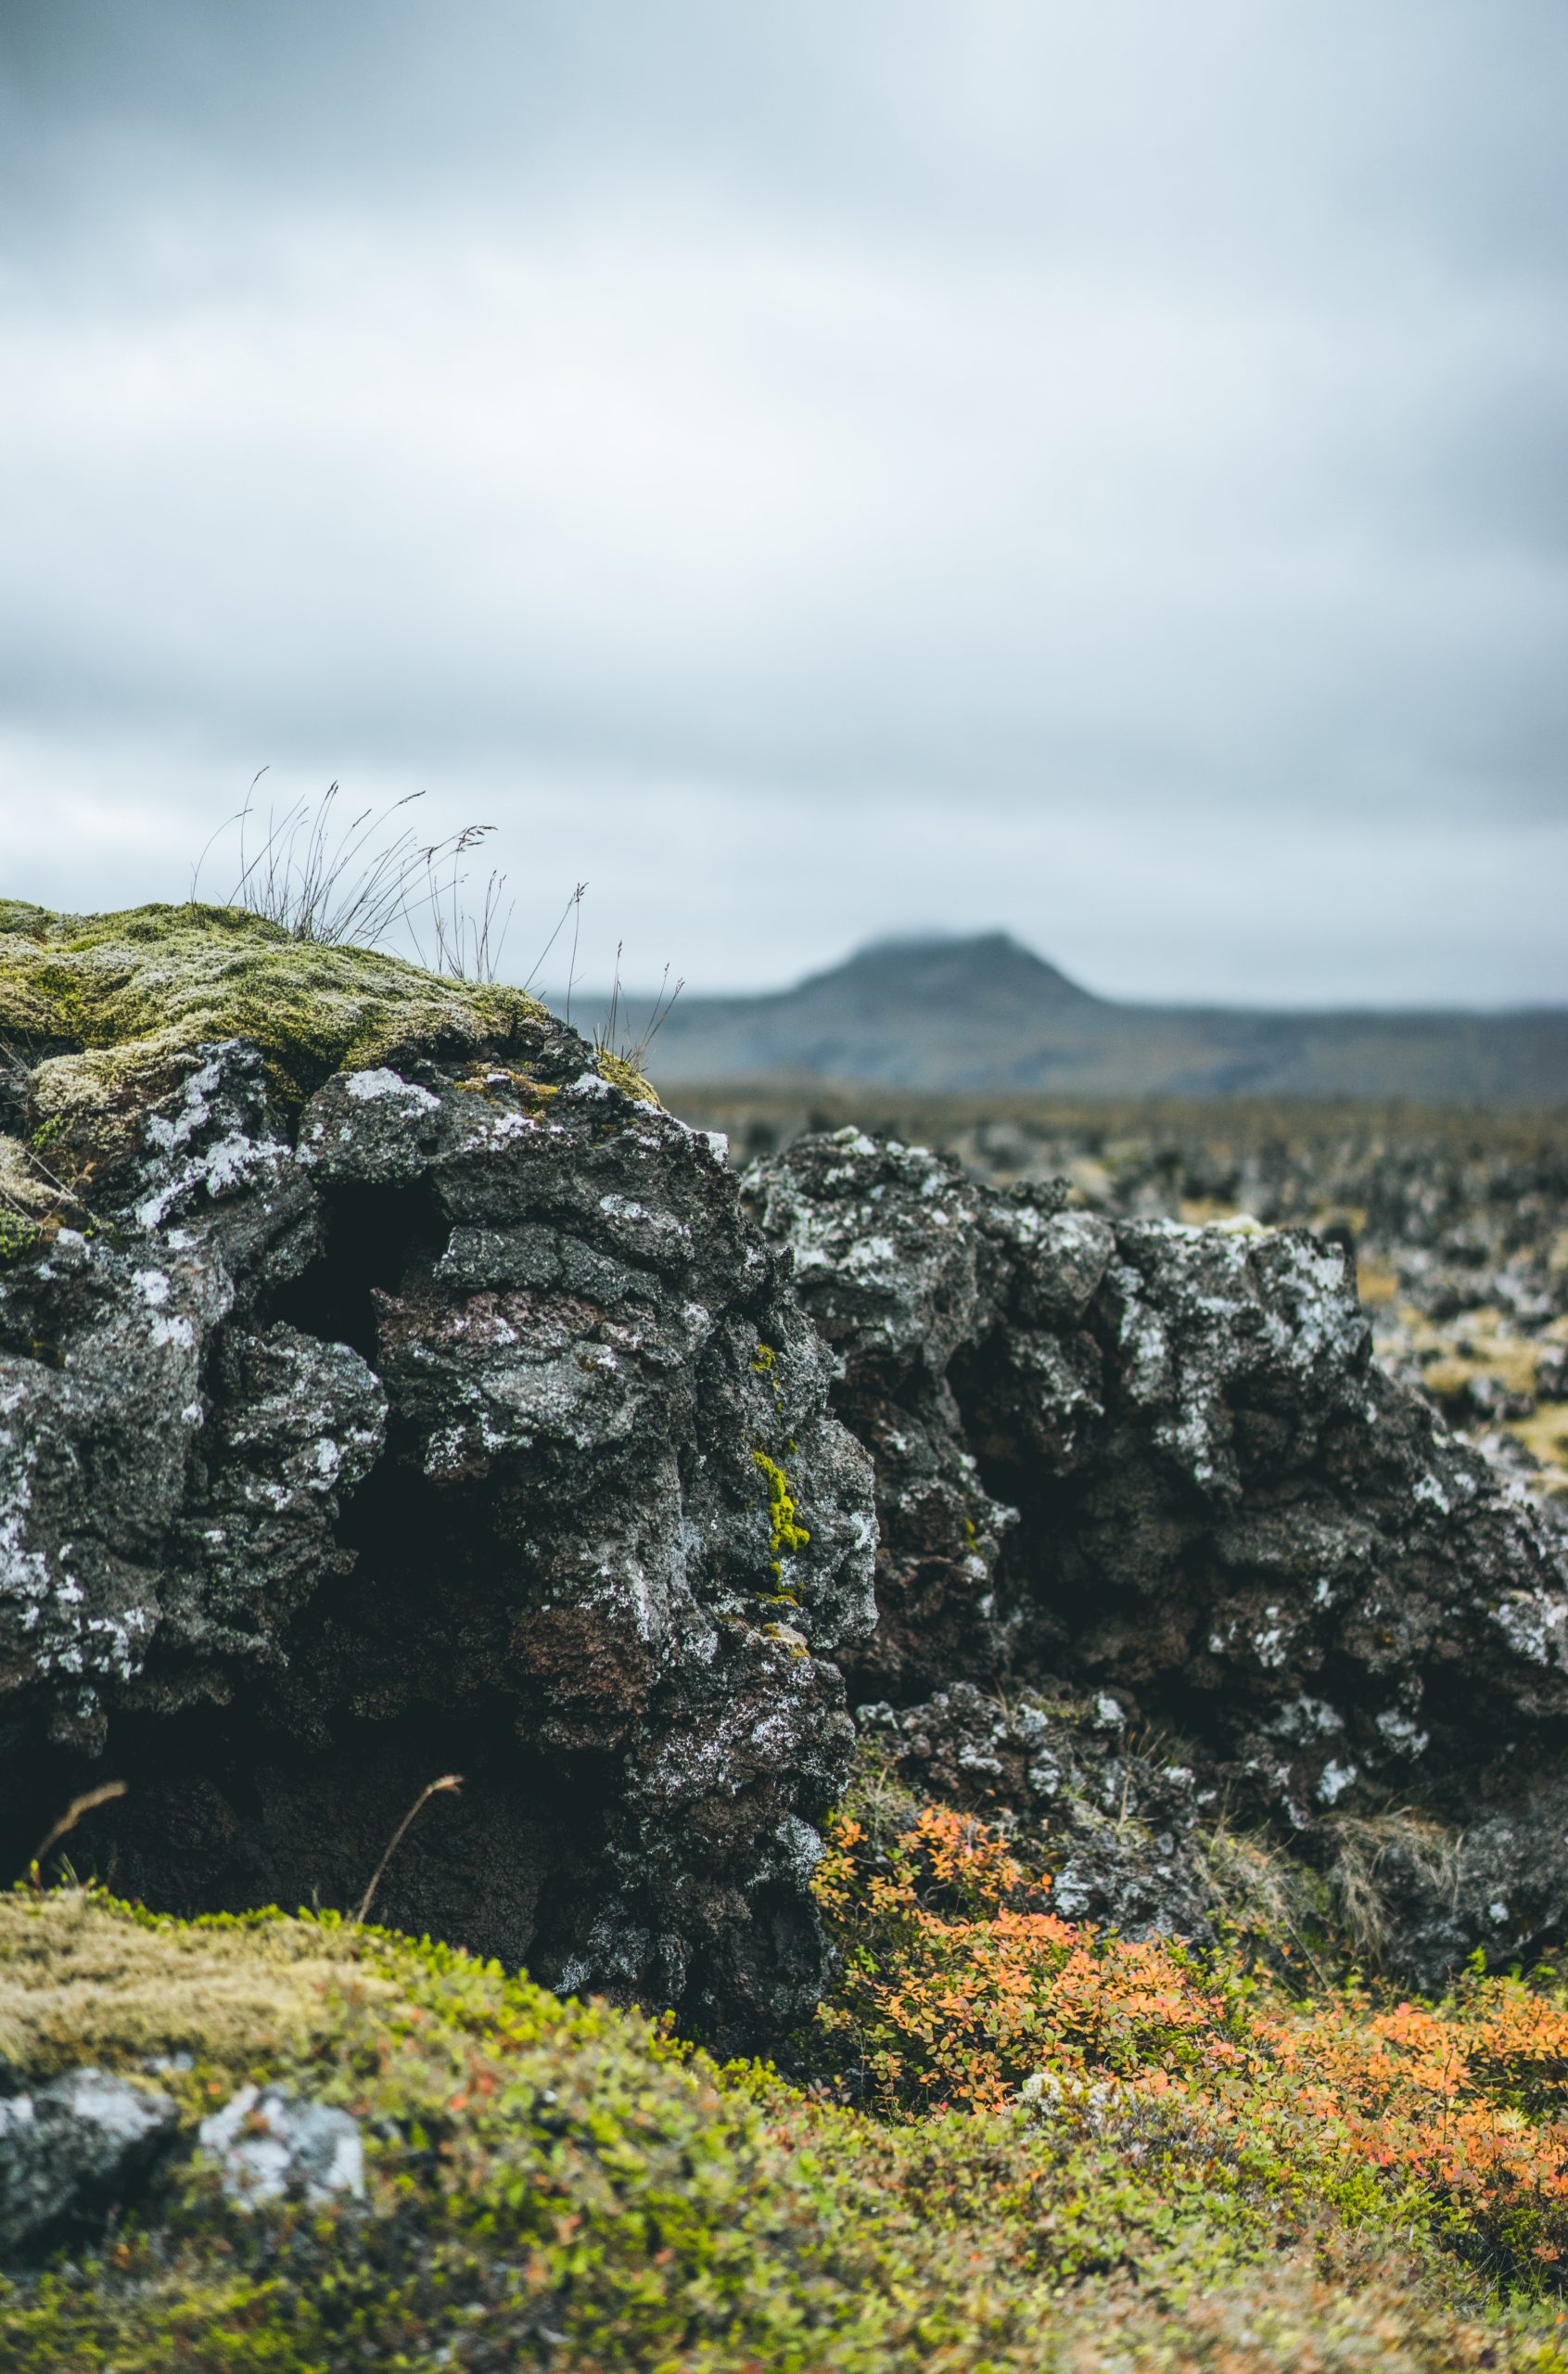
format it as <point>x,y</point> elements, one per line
<point>986,1013</point>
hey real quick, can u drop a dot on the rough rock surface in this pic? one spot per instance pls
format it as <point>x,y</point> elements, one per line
<point>1160,1457</point>
<point>71,2151</point>
<point>444,1411</point>
<point>1459,1223</point>
<point>1459,1219</point>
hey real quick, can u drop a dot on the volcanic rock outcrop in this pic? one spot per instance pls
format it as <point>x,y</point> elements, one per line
<point>389,1386</point>
<point>389,1389</point>
<point>1158,1460</point>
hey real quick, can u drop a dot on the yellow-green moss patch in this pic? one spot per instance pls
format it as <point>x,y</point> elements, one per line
<point>626,1077</point>
<point>82,1981</point>
<point>786,1533</point>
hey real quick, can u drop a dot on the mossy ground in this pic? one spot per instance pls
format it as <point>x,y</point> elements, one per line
<point>564,2186</point>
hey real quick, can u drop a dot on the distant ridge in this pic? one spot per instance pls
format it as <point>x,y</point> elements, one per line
<point>988,1012</point>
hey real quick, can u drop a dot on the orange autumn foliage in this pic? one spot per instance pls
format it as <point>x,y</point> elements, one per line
<point>959,1984</point>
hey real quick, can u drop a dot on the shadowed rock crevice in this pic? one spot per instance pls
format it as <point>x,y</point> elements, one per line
<point>371,1239</point>
<point>228,1815</point>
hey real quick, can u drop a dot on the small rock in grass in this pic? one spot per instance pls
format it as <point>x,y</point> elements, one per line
<point>268,2143</point>
<point>72,2150</point>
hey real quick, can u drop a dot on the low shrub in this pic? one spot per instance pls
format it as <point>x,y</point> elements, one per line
<point>960,1987</point>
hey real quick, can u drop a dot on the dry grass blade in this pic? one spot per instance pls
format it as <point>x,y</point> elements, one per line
<point>103,1796</point>
<point>217,833</point>
<point>634,1050</point>
<point>452,1781</point>
<point>335,883</point>
<point>328,883</point>
<point>576,928</point>
<point>1376,1856</point>
<point>573,903</point>
<point>606,1037</point>
<point>469,943</point>
<point>663,1007</point>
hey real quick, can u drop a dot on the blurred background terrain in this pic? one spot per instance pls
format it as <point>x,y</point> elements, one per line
<point>985,1012</point>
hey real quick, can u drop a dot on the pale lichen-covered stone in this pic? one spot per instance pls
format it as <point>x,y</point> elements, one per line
<point>268,2144</point>
<point>72,2151</point>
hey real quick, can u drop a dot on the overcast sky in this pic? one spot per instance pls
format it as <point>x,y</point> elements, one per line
<point>814,470</point>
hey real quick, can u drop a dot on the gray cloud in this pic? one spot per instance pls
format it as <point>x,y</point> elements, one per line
<point>813,471</point>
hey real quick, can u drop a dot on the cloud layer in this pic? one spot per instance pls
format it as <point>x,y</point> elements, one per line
<point>811,473</point>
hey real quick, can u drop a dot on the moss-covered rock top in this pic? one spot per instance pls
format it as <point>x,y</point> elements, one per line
<point>160,979</point>
<point>84,1981</point>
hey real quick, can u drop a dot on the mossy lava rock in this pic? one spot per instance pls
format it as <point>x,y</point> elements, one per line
<point>389,1386</point>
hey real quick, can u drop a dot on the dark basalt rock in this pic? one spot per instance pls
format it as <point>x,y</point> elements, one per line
<point>460,1421</point>
<point>1157,1457</point>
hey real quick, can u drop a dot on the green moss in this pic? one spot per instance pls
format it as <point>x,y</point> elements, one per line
<point>157,981</point>
<point>496,1083</point>
<point>565,2185</point>
<point>765,1364</point>
<point>17,1236</point>
<point>786,1533</point>
<point>625,1075</point>
<point>106,1008</point>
